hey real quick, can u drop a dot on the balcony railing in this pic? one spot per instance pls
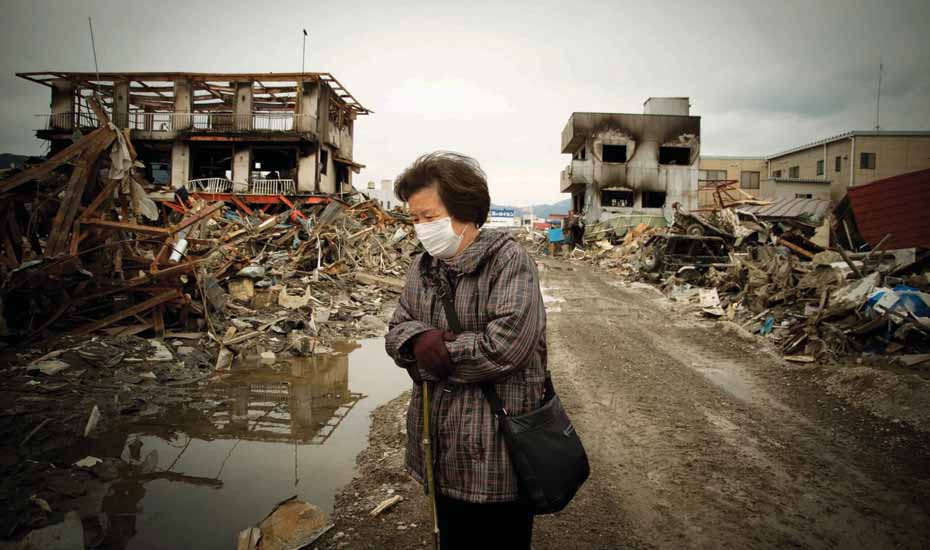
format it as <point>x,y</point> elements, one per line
<point>272,187</point>
<point>259,121</point>
<point>210,185</point>
<point>256,187</point>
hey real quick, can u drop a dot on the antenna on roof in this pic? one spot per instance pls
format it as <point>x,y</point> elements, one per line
<point>93,48</point>
<point>878,97</point>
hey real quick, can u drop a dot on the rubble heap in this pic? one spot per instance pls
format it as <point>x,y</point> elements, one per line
<point>774,279</point>
<point>86,250</point>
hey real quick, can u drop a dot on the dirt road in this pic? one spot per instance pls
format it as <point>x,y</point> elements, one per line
<point>697,439</point>
<point>700,439</point>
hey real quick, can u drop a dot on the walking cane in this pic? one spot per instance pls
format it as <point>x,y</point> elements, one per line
<point>427,451</point>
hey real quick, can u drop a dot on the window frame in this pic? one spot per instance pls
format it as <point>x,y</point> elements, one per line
<point>838,166</point>
<point>758,182</point>
<point>821,167</point>
<point>794,172</point>
<point>864,157</point>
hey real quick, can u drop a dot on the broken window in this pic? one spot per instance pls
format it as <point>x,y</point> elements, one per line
<point>776,174</point>
<point>794,172</point>
<point>803,195</point>
<point>622,198</point>
<point>820,167</point>
<point>679,156</point>
<point>749,180</point>
<point>867,161</point>
<point>324,160</point>
<point>839,163</point>
<point>613,153</point>
<point>653,199</point>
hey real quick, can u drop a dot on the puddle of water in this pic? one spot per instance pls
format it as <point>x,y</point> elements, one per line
<point>549,300</point>
<point>294,429</point>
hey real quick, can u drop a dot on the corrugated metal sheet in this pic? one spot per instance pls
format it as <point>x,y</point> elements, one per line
<point>813,210</point>
<point>898,205</point>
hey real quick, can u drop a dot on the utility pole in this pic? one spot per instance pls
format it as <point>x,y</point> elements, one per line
<point>303,53</point>
<point>878,96</point>
<point>93,48</point>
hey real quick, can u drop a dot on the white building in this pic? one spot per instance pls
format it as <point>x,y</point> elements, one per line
<point>384,194</point>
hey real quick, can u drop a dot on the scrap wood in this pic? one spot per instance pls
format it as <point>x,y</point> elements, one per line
<point>788,244</point>
<point>74,189</point>
<point>249,335</point>
<point>128,312</point>
<point>66,155</point>
<point>385,505</point>
<point>33,431</point>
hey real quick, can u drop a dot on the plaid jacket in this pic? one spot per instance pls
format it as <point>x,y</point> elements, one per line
<point>500,306</point>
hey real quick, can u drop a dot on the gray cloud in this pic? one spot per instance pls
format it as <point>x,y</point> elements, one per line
<point>498,80</point>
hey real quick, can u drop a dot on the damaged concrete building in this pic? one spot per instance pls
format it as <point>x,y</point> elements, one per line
<point>633,164</point>
<point>250,134</point>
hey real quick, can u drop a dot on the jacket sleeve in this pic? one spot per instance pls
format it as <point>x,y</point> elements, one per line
<point>518,320</point>
<point>403,327</point>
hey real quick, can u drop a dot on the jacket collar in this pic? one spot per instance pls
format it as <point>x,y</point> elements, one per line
<point>485,245</point>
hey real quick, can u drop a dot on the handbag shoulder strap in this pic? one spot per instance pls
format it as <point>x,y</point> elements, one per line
<point>455,325</point>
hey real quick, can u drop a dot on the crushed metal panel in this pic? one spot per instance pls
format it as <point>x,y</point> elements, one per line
<point>786,208</point>
<point>898,206</point>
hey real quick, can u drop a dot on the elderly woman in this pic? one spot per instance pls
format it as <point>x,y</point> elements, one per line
<point>496,293</point>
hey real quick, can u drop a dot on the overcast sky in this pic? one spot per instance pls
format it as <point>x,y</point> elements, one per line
<point>498,80</point>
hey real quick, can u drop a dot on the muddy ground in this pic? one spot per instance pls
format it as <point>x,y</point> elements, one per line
<point>699,437</point>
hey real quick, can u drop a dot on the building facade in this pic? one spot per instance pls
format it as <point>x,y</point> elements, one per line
<point>625,164</point>
<point>827,168</point>
<point>271,133</point>
<point>748,172</point>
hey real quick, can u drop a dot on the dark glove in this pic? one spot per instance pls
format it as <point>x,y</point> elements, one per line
<point>432,356</point>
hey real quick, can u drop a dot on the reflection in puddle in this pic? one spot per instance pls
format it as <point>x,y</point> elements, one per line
<point>261,435</point>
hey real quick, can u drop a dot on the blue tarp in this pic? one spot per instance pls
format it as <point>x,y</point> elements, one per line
<point>555,235</point>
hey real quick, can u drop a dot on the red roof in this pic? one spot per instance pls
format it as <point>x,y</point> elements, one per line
<point>899,205</point>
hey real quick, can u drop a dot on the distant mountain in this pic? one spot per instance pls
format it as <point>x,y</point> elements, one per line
<point>541,210</point>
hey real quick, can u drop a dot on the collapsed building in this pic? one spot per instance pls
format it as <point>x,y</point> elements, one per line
<point>626,165</point>
<point>246,133</point>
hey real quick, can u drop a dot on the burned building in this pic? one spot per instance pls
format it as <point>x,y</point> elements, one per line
<point>630,164</point>
<point>249,134</point>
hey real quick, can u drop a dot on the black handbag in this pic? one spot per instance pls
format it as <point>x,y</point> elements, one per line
<point>546,452</point>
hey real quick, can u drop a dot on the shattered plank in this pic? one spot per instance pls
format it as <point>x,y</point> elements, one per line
<point>128,312</point>
<point>49,166</point>
<point>67,212</point>
<point>125,226</point>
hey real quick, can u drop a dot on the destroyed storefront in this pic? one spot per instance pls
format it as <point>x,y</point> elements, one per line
<point>630,165</point>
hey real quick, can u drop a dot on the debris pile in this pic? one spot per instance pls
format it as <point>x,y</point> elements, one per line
<point>769,272</point>
<point>118,301</point>
<point>86,250</point>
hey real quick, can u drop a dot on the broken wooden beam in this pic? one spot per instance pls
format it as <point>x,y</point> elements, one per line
<point>53,162</point>
<point>128,312</point>
<point>58,238</point>
<point>126,226</point>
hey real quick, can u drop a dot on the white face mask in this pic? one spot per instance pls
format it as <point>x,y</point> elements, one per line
<point>438,238</point>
